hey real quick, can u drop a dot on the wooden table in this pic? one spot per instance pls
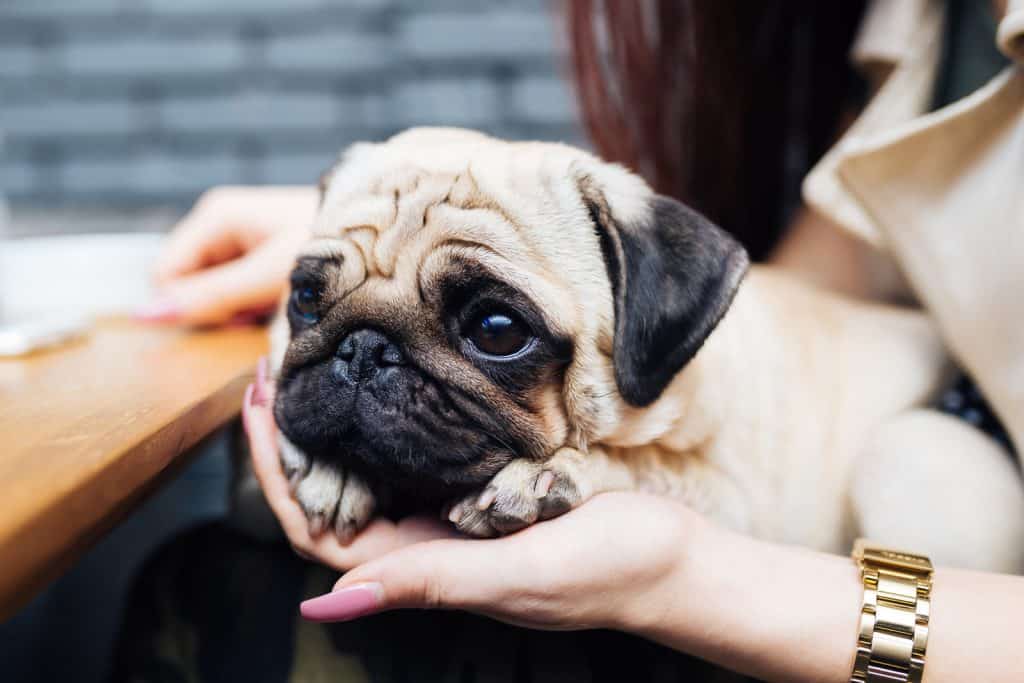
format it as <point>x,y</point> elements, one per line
<point>87,430</point>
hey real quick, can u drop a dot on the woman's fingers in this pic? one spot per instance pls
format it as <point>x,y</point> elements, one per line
<point>600,565</point>
<point>259,425</point>
<point>439,574</point>
<point>202,237</point>
<point>230,254</point>
<point>381,537</point>
<point>215,295</point>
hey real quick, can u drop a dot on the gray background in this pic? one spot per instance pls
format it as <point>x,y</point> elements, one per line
<point>115,108</point>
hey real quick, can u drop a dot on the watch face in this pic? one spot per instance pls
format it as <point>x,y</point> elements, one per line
<point>867,553</point>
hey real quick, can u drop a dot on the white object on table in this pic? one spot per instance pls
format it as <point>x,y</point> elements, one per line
<point>51,287</point>
<point>87,275</point>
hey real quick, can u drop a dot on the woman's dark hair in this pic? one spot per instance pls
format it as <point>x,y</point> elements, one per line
<point>723,104</point>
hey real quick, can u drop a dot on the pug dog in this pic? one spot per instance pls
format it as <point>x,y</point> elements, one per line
<point>501,330</point>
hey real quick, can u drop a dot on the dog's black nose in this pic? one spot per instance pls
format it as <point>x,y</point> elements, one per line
<point>366,351</point>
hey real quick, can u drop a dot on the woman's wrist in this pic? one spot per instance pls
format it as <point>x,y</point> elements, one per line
<point>752,606</point>
<point>642,605</point>
<point>645,610</point>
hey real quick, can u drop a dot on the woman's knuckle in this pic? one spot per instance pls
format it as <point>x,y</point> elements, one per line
<point>215,197</point>
<point>207,198</point>
<point>432,592</point>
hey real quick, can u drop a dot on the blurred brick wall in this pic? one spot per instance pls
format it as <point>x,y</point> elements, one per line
<point>148,102</point>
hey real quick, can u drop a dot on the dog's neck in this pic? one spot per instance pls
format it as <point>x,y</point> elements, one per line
<point>712,436</point>
<point>710,389</point>
<point>719,386</point>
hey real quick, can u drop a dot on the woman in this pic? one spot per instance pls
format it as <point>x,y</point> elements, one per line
<point>723,135</point>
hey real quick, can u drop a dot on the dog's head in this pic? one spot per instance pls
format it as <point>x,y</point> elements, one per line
<point>466,301</point>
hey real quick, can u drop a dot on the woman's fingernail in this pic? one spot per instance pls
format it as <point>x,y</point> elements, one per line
<point>259,394</point>
<point>250,394</point>
<point>345,604</point>
<point>261,370</point>
<point>243,320</point>
<point>246,405</point>
<point>252,316</point>
<point>159,311</point>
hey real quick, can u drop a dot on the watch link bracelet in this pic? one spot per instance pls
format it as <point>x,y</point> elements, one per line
<point>894,617</point>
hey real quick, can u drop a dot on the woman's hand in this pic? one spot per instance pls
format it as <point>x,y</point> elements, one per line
<point>231,255</point>
<point>606,564</point>
<point>603,565</point>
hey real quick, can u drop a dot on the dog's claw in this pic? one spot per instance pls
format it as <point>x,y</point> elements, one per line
<point>455,514</point>
<point>486,498</point>
<point>346,530</point>
<point>544,482</point>
<point>317,524</point>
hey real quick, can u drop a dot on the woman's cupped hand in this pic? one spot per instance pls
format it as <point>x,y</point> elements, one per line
<point>606,564</point>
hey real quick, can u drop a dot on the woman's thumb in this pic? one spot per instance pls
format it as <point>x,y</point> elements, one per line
<point>436,574</point>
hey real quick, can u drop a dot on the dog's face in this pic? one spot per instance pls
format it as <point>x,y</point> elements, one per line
<point>466,301</point>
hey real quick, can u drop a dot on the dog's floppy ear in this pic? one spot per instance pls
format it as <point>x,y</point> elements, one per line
<point>673,275</point>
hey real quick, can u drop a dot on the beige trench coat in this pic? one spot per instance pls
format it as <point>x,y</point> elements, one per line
<point>942,192</point>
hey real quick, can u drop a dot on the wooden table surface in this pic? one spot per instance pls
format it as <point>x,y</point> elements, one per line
<point>88,429</point>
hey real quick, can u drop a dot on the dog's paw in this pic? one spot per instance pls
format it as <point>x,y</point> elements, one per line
<point>522,493</point>
<point>331,497</point>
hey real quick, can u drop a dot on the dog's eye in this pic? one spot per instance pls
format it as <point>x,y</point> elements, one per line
<point>498,333</point>
<point>306,302</point>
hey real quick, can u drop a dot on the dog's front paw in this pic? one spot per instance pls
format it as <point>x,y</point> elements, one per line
<point>522,493</point>
<point>330,496</point>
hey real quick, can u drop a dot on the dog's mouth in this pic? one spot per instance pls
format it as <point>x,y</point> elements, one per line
<point>399,427</point>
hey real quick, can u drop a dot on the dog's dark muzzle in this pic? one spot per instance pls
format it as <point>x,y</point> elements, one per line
<point>372,410</point>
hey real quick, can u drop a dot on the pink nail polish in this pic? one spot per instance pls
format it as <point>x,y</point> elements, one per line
<point>343,605</point>
<point>261,370</point>
<point>159,311</point>
<point>244,320</point>
<point>246,405</point>
<point>259,395</point>
<point>252,316</point>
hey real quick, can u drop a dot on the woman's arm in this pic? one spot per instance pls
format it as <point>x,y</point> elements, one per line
<point>814,248</point>
<point>825,254</point>
<point>781,613</point>
<point>776,612</point>
<point>651,566</point>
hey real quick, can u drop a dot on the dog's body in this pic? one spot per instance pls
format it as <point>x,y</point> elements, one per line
<point>765,424</point>
<point>790,423</point>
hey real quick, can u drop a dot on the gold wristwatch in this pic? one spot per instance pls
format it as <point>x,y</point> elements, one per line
<point>894,618</point>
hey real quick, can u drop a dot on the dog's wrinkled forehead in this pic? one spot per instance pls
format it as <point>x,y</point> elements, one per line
<point>514,206</point>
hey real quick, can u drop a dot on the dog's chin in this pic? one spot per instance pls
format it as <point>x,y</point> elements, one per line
<point>401,433</point>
